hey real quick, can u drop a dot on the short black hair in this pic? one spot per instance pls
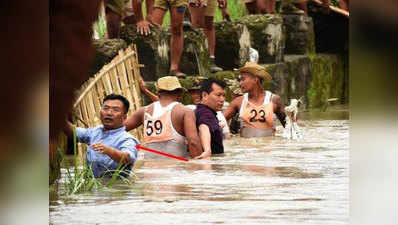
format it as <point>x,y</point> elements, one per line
<point>123,99</point>
<point>206,85</point>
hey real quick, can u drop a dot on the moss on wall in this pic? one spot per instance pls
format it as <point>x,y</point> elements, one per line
<point>300,37</point>
<point>232,44</point>
<point>266,36</point>
<point>327,80</point>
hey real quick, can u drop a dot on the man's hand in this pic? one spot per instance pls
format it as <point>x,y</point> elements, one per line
<point>143,27</point>
<point>204,155</point>
<point>101,148</point>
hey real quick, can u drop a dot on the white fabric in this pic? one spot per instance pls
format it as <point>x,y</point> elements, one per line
<point>245,100</point>
<point>292,130</point>
<point>159,110</point>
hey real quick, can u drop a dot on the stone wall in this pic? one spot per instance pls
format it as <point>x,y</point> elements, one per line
<point>286,46</point>
<point>154,51</point>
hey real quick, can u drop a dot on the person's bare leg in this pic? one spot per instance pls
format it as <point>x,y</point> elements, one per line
<point>261,6</point>
<point>177,41</point>
<point>157,16</point>
<point>210,34</point>
<point>251,7</point>
<point>211,39</point>
<point>303,6</point>
<point>197,16</point>
<point>271,6</point>
<point>113,21</point>
<point>149,10</point>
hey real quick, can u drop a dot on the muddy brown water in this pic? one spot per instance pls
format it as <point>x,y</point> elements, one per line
<point>257,181</point>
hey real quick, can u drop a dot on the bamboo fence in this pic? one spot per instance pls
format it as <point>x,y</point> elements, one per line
<point>120,76</point>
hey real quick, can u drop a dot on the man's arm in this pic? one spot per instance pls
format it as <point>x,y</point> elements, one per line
<point>135,120</point>
<point>205,139</point>
<point>111,152</point>
<point>232,108</point>
<point>279,109</point>
<point>145,90</point>
<point>195,148</point>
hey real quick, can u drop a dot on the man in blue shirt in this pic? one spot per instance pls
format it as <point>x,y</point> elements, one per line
<point>109,143</point>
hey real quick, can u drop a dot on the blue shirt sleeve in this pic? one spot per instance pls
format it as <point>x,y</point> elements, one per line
<point>83,135</point>
<point>129,146</point>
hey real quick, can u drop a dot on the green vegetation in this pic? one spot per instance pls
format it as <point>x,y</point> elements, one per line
<point>235,8</point>
<point>100,26</point>
<point>80,179</point>
<point>327,80</point>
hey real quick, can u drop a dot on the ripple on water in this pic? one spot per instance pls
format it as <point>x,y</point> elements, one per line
<point>256,181</point>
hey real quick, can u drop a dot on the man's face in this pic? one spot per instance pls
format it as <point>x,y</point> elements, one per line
<point>195,96</point>
<point>247,82</point>
<point>112,114</point>
<point>215,99</point>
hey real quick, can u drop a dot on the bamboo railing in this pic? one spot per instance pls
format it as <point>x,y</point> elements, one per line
<point>120,76</point>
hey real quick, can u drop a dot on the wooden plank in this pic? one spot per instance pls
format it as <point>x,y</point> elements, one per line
<point>133,87</point>
<point>89,116</point>
<point>108,84</point>
<point>124,83</point>
<point>85,112</point>
<point>97,106</point>
<point>101,90</point>
<point>115,83</point>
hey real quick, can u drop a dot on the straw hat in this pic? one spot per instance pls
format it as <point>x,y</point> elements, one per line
<point>168,83</point>
<point>256,70</point>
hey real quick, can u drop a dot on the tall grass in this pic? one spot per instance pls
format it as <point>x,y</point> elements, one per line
<point>235,9</point>
<point>80,179</point>
<point>100,26</point>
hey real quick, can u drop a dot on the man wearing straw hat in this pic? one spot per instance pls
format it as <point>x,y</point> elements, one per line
<point>169,126</point>
<point>256,107</point>
<point>110,144</point>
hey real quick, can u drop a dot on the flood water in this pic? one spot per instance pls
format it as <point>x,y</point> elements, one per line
<point>257,181</point>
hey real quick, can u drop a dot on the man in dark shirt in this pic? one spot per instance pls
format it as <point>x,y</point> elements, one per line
<point>212,93</point>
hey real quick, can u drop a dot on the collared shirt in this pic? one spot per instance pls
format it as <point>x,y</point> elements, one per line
<point>118,139</point>
<point>207,116</point>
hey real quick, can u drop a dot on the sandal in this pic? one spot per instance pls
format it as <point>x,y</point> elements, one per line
<point>178,74</point>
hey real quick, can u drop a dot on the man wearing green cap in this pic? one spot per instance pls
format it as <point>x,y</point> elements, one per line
<point>257,106</point>
<point>169,126</point>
